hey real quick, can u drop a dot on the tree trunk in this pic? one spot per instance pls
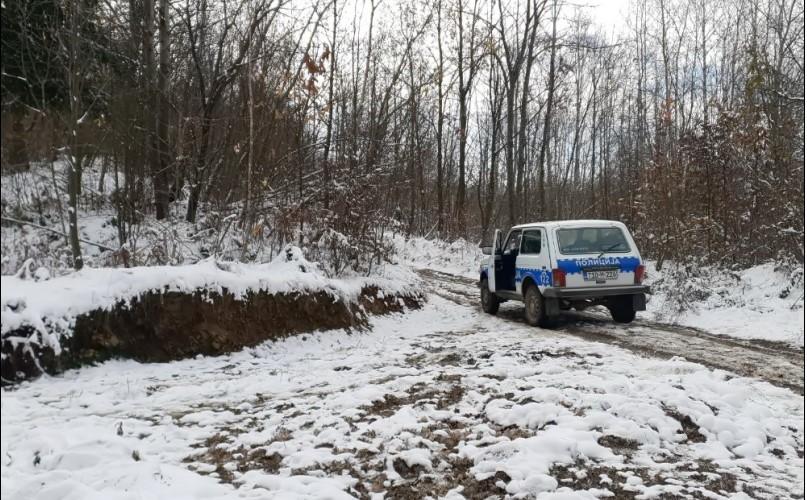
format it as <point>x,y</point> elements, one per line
<point>411,149</point>
<point>73,183</point>
<point>161,190</point>
<point>593,142</point>
<point>326,168</point>
<point>548,117</point>
<point>522,125</point>
<point>464,89</point>
<point>74,78</point>
<point>508,152</point>
<point>199,170</point>
<point>440,207</point>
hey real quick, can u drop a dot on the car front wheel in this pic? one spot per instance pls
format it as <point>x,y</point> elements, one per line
<point>534,310</point>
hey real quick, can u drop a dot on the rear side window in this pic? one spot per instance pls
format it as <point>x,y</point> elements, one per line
<point>573,241</point>
<point>531,242</point>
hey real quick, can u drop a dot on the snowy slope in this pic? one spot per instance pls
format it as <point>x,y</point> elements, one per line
<point>460,257</point>
<point>417,403</point>
<point>762,302</point>
<point>42,303</point>
<point>37,195</point>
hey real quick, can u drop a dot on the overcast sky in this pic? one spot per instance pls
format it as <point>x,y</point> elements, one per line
<point>609,14</point>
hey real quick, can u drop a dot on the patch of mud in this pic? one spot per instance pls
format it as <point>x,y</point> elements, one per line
<point>457,476</point>
<point>226,461</point>
<point>689,427</point>
<point>712,478</point>
<point>441,397</point>
<point>585,476</point>
<point>451,359</point>
<point>619,445</point>
<point>692,478</point>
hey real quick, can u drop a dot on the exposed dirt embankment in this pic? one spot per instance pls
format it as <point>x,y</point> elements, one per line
<point>165,326</point>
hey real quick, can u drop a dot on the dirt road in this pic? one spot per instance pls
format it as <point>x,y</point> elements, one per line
<point>778,363</point>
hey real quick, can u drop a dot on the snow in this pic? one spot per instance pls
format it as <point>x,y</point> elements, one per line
<point>342,409</point>
<point>50,306</point>
<point>761,302</point>
<point>438,390</point>
<point>37,196</point>
<point>460,257</point>
<point>417,457</point>
<point>299,486</point>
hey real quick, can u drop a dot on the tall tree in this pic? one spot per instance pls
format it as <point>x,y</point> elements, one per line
<point>548,114</point>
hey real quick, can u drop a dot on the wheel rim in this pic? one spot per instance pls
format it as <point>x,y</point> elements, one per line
<point>532,306</point>
<point>485,296</point>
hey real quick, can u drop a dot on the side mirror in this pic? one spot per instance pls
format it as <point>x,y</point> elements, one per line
<point>487,250</point>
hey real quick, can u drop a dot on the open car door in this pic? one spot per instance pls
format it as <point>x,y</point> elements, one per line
<point>495,260</point>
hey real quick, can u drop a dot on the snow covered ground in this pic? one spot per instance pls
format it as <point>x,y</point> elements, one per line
<point>444,401</point>
<point>460,257</point>
<point>37,195</point>
<point>762,302</point>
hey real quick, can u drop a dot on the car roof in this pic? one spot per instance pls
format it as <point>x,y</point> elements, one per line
<point>571,223</point>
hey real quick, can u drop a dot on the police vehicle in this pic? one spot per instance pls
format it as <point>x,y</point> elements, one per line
<point>554,266</point>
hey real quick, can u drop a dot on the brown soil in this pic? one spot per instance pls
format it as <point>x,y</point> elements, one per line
<point>689,427</point>
<point>620,445</point>
<point>244,459</point>
<point>165,326</point>
<point>419,486</point>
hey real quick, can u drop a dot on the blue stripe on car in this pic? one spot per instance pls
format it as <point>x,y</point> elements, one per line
<point>542,277</point>
<point>573,266</point>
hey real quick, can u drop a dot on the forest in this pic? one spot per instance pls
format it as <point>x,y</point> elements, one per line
<point>247,249</point>
<point>333,123</point>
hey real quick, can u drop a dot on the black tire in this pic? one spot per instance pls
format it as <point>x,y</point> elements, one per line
<point>622,309</point>
<point>534,310</point>
<point>490,303</point>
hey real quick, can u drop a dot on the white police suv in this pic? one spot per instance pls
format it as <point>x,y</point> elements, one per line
<point>554,266</point>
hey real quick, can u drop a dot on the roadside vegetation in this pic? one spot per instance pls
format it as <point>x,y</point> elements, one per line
<point>161,132</point>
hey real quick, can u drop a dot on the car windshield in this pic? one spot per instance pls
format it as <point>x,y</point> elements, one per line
<point>592,240</point>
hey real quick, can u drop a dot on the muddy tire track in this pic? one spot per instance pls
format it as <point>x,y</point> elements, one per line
<point>778,363</point>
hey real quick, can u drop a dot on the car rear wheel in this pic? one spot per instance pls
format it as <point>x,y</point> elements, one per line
<point>490,303</point>
<point>534,308</point>
<point>622,309</point>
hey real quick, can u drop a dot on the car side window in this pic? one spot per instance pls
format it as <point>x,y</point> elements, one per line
<point>513,241</point>
<point>531,243</point>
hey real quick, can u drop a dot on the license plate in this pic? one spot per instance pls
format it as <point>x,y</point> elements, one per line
<point>600,275</point>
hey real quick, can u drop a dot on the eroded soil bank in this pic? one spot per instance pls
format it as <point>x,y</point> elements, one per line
<point>166,326</point>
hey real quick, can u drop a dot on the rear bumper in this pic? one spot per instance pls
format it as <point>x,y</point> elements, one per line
<point>594,292</point>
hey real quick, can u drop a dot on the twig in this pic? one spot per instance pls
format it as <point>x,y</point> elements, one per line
<point>793,305</point>
<point>25,223</point>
